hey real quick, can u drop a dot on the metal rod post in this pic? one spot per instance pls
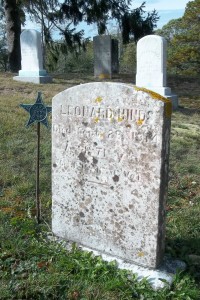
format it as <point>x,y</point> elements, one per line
<point>38,205</point>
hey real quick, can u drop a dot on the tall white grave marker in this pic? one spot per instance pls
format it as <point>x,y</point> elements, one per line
<point>151,66</point>
<point>32,61</point>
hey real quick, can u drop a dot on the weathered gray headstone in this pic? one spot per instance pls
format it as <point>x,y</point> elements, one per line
<point>32,60</point>
<point>110,147</point>
<point>105,56</point>
<point>151,66</point>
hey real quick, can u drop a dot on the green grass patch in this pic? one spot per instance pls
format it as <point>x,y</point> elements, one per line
<point>33,267</point>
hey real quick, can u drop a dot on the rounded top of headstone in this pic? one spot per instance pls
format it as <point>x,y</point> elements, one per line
<point>152,37</point>
<point>159,97</point>
<point>32,32</point>
<point>116,93</point>
<point>102,37</point>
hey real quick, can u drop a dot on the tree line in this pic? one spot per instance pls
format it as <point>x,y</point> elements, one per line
<point>67,53</point>
<point>65,16</point>
<point>183,36</point>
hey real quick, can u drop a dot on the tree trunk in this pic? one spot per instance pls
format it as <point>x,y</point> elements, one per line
<point>13,31</point>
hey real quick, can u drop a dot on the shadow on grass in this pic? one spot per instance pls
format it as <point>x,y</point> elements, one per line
<point>187,250</point>
<point>188,111</point>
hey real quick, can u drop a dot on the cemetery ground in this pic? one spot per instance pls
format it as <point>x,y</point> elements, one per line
<point>32,266</point>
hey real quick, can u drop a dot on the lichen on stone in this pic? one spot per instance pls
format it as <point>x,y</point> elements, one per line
<point>140,122</point>
<point>120,119</point>
<point>140,254</point>
<point>104,76</point>
<point>96,120</point>
<point>98,100</point>
<point>156,96</point>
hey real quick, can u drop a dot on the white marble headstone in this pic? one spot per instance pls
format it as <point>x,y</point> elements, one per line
<point>151,66</point>
<point>31,51</point>
<point>32,60</point>
<point>110,147</point>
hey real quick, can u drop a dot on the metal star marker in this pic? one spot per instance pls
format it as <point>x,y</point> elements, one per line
<point>38,111</point>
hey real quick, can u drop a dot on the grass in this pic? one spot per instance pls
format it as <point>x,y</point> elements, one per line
<point>31,266</point>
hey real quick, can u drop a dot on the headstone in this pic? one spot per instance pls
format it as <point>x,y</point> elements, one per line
<point>105,56</point>
<point>151,66</point>
<point>32,60</point>
<point>110,148</point>
<point>115,56</point>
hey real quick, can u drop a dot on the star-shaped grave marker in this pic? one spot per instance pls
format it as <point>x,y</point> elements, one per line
<point>38,111</point>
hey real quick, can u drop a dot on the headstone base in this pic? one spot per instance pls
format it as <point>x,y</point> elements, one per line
<point>174,100</point>
<point>157,278</point>
<point>36,79</point>
<point>104,76</point>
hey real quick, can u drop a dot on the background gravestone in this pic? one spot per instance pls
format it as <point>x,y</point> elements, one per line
<point>105,56</point>
<point>151,66</point>
<point>115,56</point>
<point>32,61</point>
<point>110,147</point>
